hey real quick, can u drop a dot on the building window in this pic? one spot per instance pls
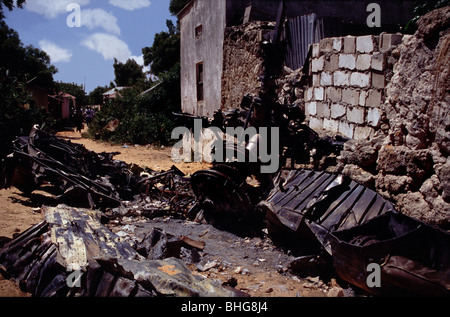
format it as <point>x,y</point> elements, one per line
<point>200,82</point>
<point>198,31</point>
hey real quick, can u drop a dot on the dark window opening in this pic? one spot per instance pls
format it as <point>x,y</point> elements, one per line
<point>198,31</point>
<point>200,82</point>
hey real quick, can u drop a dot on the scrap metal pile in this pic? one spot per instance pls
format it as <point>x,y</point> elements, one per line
<point>86,179</point>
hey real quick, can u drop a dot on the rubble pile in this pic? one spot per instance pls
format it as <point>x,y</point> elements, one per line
<point>407,160</point>
<point>86,179</point>
<point>243,61</point>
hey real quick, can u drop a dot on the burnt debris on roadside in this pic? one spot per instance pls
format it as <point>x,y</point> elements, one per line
<point>91,244</point>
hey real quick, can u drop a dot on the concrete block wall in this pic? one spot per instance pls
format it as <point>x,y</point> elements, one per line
<point>348,81</point>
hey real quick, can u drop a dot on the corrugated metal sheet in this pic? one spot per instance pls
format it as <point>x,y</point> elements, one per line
<point>300,33</point>
<point>312,204</point>
<point>305,30</point>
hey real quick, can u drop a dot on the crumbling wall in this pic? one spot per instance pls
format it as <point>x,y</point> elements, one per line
<point>407,160</point>
<point>242,62</point>
<point>349,75</point>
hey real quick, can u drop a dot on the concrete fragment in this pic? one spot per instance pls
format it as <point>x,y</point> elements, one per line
<point>349,45</point>
<point>341,78</point>
<point>350,96</point>
<point>365,44</point>
<point>363,133</point>
<point>326,79</point>
<point>347,61</point>
<point>363,62</point>
<point>360,79</point>
<point>346,129</point>
<point>338,110</point>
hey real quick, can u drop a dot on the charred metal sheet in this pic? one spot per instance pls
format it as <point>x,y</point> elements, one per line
<point>414,257</point>
<point>306,206</point>
<point>72,254</point>
<point>85,178</point>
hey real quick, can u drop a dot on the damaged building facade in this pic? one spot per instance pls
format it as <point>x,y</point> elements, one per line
<point>210,47</point>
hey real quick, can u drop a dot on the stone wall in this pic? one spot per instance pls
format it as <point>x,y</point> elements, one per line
<point>408,160</point>
<point>242,62</point>
<point>349,75</point>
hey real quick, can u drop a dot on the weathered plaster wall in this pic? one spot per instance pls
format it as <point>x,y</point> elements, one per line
<point>207,48</point>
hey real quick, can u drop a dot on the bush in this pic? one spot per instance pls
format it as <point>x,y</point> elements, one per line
<point>143,119</point>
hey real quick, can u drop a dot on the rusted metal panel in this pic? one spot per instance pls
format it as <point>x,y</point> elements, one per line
<point>70,240</point>
<point>414,257</point>
<point>313,204</point>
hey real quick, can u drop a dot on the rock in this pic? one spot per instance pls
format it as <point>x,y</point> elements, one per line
<point>394,184</point>
<point>392,160</point>
<point>433,22</point>
<point>414,205</point>
<point>359,175</point>
<point>360,152</point>
<point>444,178</point>
<point>336,292</point>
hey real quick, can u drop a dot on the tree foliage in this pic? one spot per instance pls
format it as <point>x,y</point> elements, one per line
<point>128,74</point>
<point>177,5</point>
<point>145,118</point>
<point>165,52</point>
<point>20,68</point>
<point>96,95</point>
<point>9,4</point>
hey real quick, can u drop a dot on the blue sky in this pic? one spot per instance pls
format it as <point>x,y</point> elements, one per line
<point>109,29</point>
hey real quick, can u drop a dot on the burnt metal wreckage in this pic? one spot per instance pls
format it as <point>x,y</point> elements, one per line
<point>318,214</point>
<point>325,219</point>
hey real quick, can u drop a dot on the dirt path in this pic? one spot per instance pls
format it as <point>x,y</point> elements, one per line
<point>155,158</point>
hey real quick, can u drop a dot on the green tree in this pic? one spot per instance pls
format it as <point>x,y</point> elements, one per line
<point>20,68</point>
<point>165,52</point>
<point>9,4</point>
<point>129,73</point>
<point>176,6</point>
<point>96,95</point>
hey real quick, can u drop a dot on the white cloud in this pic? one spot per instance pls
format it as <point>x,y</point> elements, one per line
<point>130,5</point>
<point>93,18</point>
<point>51,8</point>
<point>140,61</point>
<point>110,46</point>
<point>57,54</point>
